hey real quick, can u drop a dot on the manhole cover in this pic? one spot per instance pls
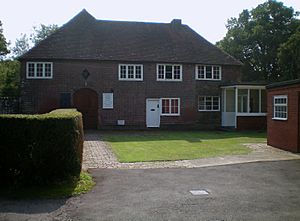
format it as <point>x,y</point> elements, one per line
<point>199,192</point>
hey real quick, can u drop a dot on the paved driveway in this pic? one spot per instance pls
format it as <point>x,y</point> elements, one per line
<point>250,191</point>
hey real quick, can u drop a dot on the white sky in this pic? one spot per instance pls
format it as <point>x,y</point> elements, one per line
<point>208,17</point>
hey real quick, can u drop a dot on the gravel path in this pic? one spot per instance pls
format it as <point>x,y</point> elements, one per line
<point>98,154</point>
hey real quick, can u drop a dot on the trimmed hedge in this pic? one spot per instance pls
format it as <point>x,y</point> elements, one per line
<point>40,149</point>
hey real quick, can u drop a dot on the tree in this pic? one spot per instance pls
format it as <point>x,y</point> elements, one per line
<point>9,78</point>
<point>21,45</point>
<point>255,36</point>
<point>3,44</point>
<point>289,57</point>
<point>41,32</point>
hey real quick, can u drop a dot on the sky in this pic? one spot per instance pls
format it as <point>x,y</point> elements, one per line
<point>208,18</point>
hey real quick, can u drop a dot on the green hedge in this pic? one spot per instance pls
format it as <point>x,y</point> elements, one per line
<point>40,149</point>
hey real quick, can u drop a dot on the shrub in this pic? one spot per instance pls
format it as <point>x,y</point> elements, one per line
<point>40,149</point>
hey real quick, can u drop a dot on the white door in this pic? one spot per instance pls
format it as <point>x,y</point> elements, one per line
<point>152,113</point>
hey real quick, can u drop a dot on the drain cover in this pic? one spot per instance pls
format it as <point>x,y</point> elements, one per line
<point>199,192</point>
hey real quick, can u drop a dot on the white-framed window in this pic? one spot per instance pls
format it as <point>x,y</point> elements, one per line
<point>107,100</point>
<point>208,72</point>
<point>169,72</point>
<point>208,103</point>
<point>130,72</point>
<point>39,70</point>
<point>170,106</point>
<point>280,107</point>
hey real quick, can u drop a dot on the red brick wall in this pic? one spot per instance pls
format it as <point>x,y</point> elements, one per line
<point>39,96</point>
<point>251,123</point>
<point>284,134</point>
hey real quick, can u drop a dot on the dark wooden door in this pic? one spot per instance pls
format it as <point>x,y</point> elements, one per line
<point>86,101</point>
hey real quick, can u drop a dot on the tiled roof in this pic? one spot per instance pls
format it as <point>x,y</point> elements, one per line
<point>283,83</point>
<point>84,37</point>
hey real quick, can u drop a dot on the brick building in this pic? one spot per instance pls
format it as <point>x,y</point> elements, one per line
<point>136,74</point>
<point>284,115</point>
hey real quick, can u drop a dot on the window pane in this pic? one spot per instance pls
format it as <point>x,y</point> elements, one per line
<point>65,100</point>
<point>176,72</point>
<point>130,71</point>
<point>215,103</point>
<point>123,72</point>
<point>168,72</point>
<point>201,72</point>
<point>242,100</point>
<point>138,72</point>
<point>174,106</point>
<point>208,103</point>
<point>31,69</point>
<point>201,104</point>
<point>230,100</point>
<point>209,72</point>
<point>39,70</point>
<point>280,107</point>
<point>254,101</point>
<point>48,68</point>
<point>165,106</point>
<point>161,71</point>
<point>216,74</point>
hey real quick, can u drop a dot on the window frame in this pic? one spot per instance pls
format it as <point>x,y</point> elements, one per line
<point>173,74</point>
<point>170,106</point>
<point>212,101</point>
<point>280,105</point>
<point>134,72</point>
<point>35,63</point>
<point>205,75</point>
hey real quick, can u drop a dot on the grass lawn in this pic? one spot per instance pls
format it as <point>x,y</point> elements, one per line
<point>60,190</point>
<point>138,146</point>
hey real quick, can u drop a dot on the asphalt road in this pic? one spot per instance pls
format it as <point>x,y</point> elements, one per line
<point>252,191</point>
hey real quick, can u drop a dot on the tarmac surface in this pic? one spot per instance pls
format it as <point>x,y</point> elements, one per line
<point>247,191</point>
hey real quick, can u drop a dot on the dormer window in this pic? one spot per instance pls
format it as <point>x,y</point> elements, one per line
<point>208,72</point>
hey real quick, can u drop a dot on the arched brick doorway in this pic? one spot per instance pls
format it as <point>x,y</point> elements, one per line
<point>85,100</point>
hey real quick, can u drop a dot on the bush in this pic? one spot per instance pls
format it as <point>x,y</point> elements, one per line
<point>40,149</point>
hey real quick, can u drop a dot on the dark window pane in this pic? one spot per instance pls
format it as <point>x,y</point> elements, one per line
<point>208,72</point>
<point>168,72</point>
<point>65,100</point>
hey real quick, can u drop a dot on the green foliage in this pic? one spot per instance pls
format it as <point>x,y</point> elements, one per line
<point>21,46</point>
<point>289,57</point>
<point>41,32</point>
<point>9,78</point>
<point>179,145</point>
<point>40,149</point>
<point>3,44</point>
<point>255,36</point>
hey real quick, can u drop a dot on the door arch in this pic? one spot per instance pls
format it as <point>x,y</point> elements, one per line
<point>85,100</point>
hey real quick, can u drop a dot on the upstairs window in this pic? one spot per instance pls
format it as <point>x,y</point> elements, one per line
<point>280,107</point>
<point>208,72</point>
<point>131,72</point>
<point>169,72</point>
<point>170,106</point>
<point>209,103</point>
<point>39,70</point>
